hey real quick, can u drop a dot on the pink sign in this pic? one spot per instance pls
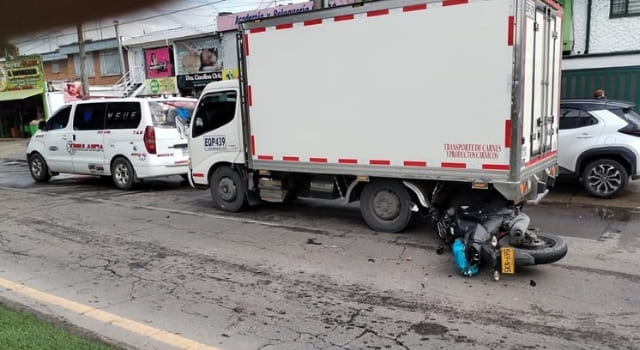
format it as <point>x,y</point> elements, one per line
<point>158,62</point>
<point>230,22</point>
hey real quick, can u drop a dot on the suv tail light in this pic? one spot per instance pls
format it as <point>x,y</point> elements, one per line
<point>150,139</point>
<point>631,129</point>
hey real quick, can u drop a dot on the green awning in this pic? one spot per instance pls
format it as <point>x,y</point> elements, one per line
<point>18,94</point>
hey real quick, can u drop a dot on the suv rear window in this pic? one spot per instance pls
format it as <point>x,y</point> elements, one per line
<point>628,115</point>
<point>164,113</point>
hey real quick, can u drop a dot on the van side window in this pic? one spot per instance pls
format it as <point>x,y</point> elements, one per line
<point>214,111</point>
<point>89,116</point>
<point>123,115</point>
<point>60,119</point>
<point>571,118</point>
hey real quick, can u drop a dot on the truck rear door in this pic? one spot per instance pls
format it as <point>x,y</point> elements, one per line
<point>543,49</point>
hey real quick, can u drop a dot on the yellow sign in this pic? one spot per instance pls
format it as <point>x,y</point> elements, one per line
<point>508,260</point>
<point>161,85</point>
<point>22,73</point>
<point>230,73</point>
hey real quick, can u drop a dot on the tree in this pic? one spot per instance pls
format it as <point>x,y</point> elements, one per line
<point>8,49</point>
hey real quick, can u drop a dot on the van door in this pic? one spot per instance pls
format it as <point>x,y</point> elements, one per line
<point>542,76</point>
<point>88,143</point>
<point>215,132</point>
<point>120,135</point>
<point>57,142</point>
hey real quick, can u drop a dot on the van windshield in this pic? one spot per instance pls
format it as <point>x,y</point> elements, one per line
<point>164,113</point>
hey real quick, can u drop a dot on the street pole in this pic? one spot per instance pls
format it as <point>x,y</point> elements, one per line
<point>83,69</point>
<point>120,52</point>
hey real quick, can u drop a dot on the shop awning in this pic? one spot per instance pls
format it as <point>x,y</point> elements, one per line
<point>18,94</point>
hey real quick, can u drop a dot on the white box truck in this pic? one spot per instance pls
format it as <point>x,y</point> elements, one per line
<point>405,105</point>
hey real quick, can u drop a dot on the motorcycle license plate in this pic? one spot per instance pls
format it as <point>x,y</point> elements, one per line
<point>508,260</point>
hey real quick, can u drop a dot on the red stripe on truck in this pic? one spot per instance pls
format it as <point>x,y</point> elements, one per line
<point>284,26</point>
<point>511,28</point>
<point>347,161</point>
<point>454,2</point>
<point>507,133</point>
<point>379,162</point>
<point>291,158</point>
<point>454,165</point>
<point>414,8</point>
<point>263,157</point>
<point>419,163</point>
<point>313,22</point>
<point>253,145</point>
<point>257,30</point>
<point>198,175</point>
<point>377,13</point>
<point>317,160</point>
<point>541,158</point>
<point>342,18</point>
<point>246,44</point>
<point>249,96</point>
<point>495,166</point>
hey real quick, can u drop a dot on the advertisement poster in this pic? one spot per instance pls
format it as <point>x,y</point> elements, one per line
<point>231,21</point>
<point>334,3</point>
<point>158,62</point>
<point>199,55</point>
<point>160,86</point>
<point>24,73</point>
<point>72,91</point>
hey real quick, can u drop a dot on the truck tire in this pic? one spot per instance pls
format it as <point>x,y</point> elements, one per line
<point>228,190</point>
<point>604,178</point>
<point>385,206</point>
<point>38,168</point>
<point>122,174</point>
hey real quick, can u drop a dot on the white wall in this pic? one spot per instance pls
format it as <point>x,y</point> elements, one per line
<point>229,53</point>
<point>607,34</point>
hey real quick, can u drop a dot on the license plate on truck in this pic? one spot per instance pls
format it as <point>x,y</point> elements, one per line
<point>508,260</point>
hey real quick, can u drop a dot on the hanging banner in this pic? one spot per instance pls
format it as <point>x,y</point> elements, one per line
<point>230,22</point>
<point>159,86</point>
<point>24,73</point>
<point>159,62</point>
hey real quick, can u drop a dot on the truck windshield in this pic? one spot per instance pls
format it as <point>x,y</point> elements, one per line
<point>164,113</point>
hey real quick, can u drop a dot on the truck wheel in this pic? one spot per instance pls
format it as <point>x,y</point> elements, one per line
<point>228,190</point>
<point>385,206</point>
<point>38,168</point>
<point>604,178</point>
<point>122,174</point>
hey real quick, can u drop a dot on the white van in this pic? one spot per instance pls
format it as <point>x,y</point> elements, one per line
<point>125,138</point>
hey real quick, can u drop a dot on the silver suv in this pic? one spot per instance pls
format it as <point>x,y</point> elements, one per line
<point>599,143</point>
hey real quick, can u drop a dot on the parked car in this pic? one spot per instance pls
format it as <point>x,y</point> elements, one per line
<point>599,143</point>
<point>126,139</point>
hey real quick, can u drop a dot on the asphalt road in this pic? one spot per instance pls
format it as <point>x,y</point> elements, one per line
<point>160,268</point>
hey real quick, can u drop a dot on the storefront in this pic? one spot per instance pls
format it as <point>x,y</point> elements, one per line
<point>22,95</point>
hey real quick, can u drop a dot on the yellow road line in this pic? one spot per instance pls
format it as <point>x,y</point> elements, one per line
<point>107,317</point>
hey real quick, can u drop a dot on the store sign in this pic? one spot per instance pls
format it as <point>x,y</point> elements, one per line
<point>159,62</point>
<point>24,73</point>
<point>198,55</point>
<point>230,22</point>
<point>160,86</point>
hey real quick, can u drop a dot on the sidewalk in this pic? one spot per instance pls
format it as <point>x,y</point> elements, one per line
<point>13,149</point>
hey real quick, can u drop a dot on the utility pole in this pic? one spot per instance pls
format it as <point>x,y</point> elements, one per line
<point>83,68</point>
<point>120,52</point>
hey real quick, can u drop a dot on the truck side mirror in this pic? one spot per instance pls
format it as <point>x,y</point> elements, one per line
<point>42,126</point>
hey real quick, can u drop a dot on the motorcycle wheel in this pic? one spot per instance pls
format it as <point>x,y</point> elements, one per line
<point>553,249</point>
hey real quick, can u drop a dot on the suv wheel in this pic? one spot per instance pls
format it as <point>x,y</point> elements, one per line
<point>604,178</point>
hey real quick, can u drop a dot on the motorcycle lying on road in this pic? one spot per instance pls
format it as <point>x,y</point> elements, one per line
<point>488,230</point>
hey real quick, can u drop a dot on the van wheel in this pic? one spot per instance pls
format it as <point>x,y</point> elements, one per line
<point>385,205</point>
<point>604,178</point>
<point>228,190</point>
<point>38,168</point>
<point>122,174</point>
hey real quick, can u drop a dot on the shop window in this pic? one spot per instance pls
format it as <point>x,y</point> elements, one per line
<point>622,8</point>
<point>110,63</point>
<point>88,64</point>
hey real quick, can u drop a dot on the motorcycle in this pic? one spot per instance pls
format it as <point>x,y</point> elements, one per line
<point>488,230</point>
